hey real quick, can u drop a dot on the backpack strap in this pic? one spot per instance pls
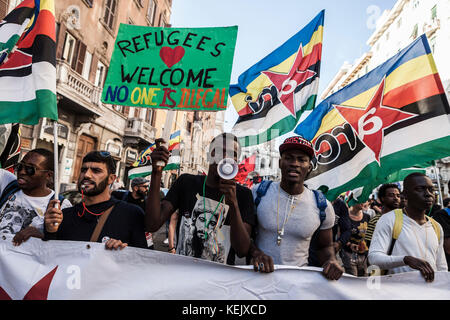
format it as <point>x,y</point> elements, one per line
<point>322,204</point>
<point>435,227</point>
<point>10,189</point>
<point>262,190</point>
<point>398,224</point>
<point>100,223</point>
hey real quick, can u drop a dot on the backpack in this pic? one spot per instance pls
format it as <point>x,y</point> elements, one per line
<point>397,229</point>
<point>321,203</point>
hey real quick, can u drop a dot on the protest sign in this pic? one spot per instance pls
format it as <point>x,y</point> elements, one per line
<point>171,68</point>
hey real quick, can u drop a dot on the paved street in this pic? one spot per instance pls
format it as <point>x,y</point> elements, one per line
<point>159,237</point>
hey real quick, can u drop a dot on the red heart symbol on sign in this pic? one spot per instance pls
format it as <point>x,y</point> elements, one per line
<point>171,56</point>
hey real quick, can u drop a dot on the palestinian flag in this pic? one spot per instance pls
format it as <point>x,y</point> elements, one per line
<point>143,164</point>
<point>395,117</point>
<point>28,63</point>
<point>271,96</point>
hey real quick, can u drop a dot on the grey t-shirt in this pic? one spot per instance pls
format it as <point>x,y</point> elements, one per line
<point>301,223</point>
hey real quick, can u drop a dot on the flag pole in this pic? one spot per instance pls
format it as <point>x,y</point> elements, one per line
<point>436,172</point>
<point>55,159</point>
<point>170,116</point>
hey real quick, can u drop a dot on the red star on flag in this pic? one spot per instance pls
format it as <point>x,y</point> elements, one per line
<point>371,122</point>
<point>286,83</point>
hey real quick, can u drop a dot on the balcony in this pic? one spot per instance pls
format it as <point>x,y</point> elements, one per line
<point>432,27</point>
<point>79,95</point>
<point>139,133</point>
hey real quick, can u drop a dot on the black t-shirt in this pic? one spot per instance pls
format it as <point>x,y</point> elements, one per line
<point>183,196</point>
<point>443,218</point>
<point>128,197</point>
<point>125,223</point>
<point>358,232</point>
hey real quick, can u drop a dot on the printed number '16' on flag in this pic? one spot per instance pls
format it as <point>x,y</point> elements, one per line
<point>271,96</point>
<point>28,63</point>
<point>395,117</point>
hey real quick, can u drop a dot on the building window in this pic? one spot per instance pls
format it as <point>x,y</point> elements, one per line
<point>88,3</point>
<point>69,45</point>
<point>87,65</point>
<point>74,53</point>
<point>162,22</point>
<point>416,4</point>
<point>110,12</point>
<point>399,23</point>
<point>415,31</point>
<point>434,13</point>
<point>387,36</point>
<point>148,116</point>
<point>117,108</point>
<point>100,74</point>
<point>433,44</point>
<point>151,12</point>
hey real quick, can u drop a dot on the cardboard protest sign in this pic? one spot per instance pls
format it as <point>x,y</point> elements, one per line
<point>171,68</point>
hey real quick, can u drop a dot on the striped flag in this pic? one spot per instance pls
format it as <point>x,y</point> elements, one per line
<point>395,117</point>
<point>28,63</point>
<point>142,165</point>
<point>271,96</point>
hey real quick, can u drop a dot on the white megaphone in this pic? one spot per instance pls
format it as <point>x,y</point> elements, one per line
<point>227,168</point>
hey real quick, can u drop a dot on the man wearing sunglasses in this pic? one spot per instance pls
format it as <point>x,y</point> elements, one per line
<point>99,217</point>
<point>24,199</point>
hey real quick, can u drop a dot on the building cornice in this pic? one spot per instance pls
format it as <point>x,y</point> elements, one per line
<point>392,15</point>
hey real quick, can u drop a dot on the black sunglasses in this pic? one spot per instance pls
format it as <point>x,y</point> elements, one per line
<point>29,170</point>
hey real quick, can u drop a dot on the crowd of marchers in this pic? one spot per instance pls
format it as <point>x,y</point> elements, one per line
<point>275,223</point>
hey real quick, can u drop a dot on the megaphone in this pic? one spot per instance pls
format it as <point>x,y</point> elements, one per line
<point>227,168</point>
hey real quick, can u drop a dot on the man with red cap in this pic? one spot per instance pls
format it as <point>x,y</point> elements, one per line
<point>289,215</point>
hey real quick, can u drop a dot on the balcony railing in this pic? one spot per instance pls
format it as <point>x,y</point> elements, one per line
<point>81,91</point>
<point>138,128</point>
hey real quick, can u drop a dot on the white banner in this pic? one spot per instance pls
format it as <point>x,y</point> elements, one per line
<point>80,270</point>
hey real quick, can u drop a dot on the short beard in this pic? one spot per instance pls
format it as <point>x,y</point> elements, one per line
<point>141,194</point>
<point>98,189</point>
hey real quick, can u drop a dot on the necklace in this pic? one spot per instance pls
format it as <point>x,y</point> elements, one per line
<point>280,233</point>
<point>215,210</point>
<point>423,253</point>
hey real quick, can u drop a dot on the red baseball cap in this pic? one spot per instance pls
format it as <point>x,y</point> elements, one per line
<point>298,143</point>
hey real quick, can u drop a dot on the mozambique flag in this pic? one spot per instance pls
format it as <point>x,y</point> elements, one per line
<point>143,166</point>
<point>271,96</point>
<point>28,63</point>
<point>395,117</point>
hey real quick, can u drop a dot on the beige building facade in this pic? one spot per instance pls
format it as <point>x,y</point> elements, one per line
<point>85,36</point>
